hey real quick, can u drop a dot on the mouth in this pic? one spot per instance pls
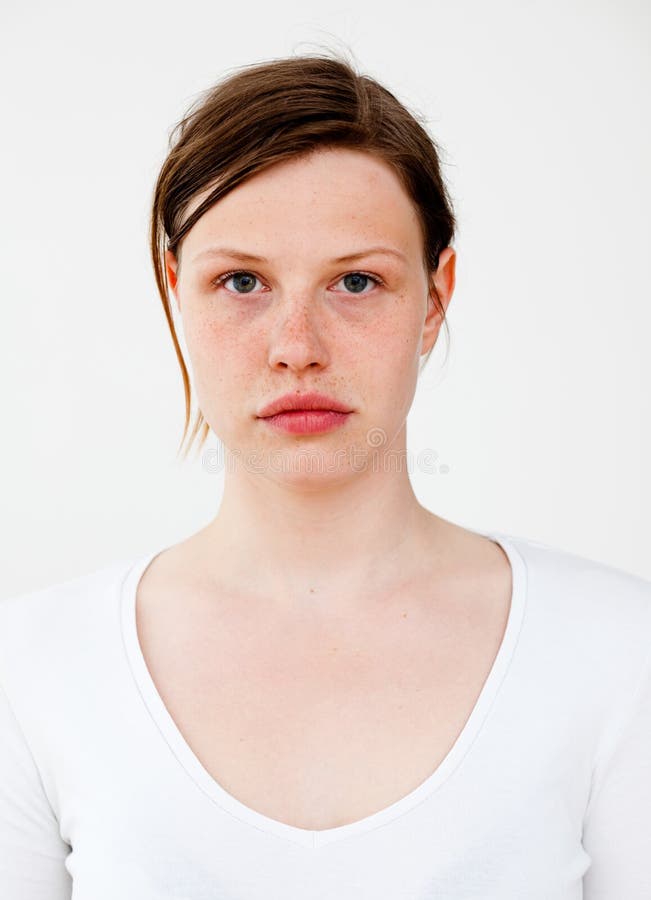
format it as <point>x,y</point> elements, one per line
<point>303,403</point>
<point>306,421</point>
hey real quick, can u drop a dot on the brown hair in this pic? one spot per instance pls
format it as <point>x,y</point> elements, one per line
<point>270,111</point>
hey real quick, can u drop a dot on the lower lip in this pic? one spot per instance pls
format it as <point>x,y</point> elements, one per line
<point>307,421</point>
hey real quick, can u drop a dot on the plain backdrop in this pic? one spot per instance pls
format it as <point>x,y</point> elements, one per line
<point>536,424</point>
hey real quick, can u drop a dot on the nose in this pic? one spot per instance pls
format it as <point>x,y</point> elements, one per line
<point>296,337</point>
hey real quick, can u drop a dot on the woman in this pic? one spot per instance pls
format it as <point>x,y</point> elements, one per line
<point>328,691</point>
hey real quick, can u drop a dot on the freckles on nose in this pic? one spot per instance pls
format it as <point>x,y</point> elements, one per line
<point>298,339</point>
<point>300,323</point>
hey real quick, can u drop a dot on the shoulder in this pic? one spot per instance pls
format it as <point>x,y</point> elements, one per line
<point>599,612</point>
<point>578,582</point>
<point>44,630</point>
<point>63,598</point>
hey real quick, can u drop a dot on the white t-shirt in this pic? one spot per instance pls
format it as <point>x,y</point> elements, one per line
<point>545,795</point>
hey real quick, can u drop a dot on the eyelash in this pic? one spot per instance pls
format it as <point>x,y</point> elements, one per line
<point>217,282</point>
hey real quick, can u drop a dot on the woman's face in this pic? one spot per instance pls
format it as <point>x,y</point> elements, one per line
<point>303,319</point>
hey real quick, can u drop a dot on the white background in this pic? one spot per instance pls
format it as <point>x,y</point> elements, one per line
<point>541,411</point>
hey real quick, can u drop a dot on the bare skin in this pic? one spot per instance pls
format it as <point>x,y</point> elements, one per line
<point>321,643</point>
<point>318,718</point>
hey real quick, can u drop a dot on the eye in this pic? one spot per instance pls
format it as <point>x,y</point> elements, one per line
<point>355,280</point>
<point>244,279</point>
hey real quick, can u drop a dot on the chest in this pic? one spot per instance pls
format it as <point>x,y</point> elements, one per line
<point>323,725</point>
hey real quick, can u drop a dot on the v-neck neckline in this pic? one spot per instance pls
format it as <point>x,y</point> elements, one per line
<point>304,836</point>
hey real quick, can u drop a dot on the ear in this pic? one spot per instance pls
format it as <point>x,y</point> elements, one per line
<point>171,269</point>
<point>443,279</point>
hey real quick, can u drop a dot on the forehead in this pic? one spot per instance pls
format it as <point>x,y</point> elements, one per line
<point>333,197</point>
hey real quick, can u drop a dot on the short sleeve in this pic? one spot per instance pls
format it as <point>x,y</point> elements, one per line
<point>32,851</point>
<point>617,826</point>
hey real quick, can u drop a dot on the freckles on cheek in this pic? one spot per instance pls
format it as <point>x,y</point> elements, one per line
<point>405,325</point>
<point>208,333</point>
<point>224,347</point>
<point>395,337</point>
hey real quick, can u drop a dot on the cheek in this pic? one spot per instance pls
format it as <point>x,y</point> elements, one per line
<point>225,360</point>
<point>392,340</point>
<point>221,344</point>
<point>390,359</point>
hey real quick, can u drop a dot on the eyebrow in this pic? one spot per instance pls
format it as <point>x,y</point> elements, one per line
<point>242,254</point>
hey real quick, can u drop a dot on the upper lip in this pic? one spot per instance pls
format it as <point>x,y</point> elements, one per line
<point>302,401</point>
